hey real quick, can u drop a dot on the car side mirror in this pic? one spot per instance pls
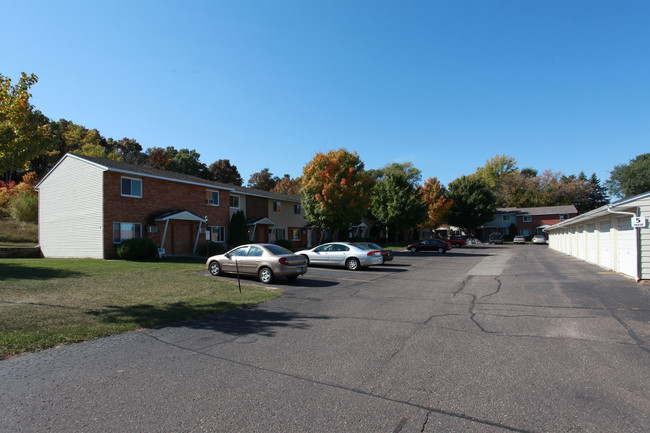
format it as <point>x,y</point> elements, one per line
<point>227,255</point>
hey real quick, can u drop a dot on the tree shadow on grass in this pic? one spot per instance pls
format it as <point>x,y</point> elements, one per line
<point>223,317</point>
<point>15,271</point>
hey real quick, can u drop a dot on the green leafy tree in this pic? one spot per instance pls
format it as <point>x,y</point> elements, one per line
<point>633,178</point>
<point>496,169</point>
<point>129,151</point>
<point>335,189</point>
<point>186,161</point>
<point>473,203</point>
<point>413,174</point>
<point>597,193</point>
<point>397,204</point>
<point>238,229</point>
<point>223,171</point>
<point>23,135</point>
<point>263,180</point>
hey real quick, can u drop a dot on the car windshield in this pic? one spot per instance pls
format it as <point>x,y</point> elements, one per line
<point>278,250</point>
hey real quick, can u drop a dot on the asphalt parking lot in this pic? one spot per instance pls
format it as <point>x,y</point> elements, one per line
<point>481,339</point>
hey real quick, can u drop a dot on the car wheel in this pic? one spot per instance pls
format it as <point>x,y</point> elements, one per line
<point>306,258</point>
<point>215,268</point>
<point>265,275</point>
<point>352,264</point>
<point>414,250</point>
<point>441,250</point>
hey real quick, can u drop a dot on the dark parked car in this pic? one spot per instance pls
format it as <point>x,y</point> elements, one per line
<point>495,238</point>
<point>456,240</point>
<point>430,245</point>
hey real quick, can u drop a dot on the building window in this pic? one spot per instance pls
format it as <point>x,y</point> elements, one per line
<point>277,206</point>
<point>234,201</point>
<point>124,231</point>
<point>506,217</point>
<point>564,216</point>
<point>525,232</point>
<point>296,209</point>
<point>216,233</point>
<point>280,234</point>
<point>295,234</point>
<point>527,219</point>
<point>131,187</point>
<point>212,198</point>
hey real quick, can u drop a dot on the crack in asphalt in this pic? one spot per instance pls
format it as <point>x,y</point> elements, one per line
<point>638,342</point>
<point>347,389</point>
<point>426,420</point>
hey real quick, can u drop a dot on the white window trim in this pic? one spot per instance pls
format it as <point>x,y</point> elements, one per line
<point>219,228</point>
<point>124,222</point>
<point>132,179</point>
<point>299,231</point>
<point>238,201</point>
<point>218,198</point>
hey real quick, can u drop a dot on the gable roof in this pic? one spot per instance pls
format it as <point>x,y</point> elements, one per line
<point>543,210</point>
<point>147,171</point>
<point>628,204</point>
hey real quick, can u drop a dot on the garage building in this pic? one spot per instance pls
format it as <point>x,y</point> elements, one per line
<point>615,236</point>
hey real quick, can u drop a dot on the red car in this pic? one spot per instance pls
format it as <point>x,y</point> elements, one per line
<point>456,241</point>
<point>430,245</point>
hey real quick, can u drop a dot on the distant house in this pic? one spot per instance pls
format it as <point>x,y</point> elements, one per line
<point>528,221</point>
<point>533,220</point>
<point>88,206</point>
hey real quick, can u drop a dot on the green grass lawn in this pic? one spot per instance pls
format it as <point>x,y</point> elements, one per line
<point>49,302</point>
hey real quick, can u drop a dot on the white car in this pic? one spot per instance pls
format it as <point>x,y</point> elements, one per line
<point>539,239</point>
<point>345,254</point>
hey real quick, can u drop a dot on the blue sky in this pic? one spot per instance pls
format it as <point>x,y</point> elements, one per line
<point>560,85</point>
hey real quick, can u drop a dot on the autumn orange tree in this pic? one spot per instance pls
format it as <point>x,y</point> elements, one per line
<point>438,205</point>
<point>288,186</point>
<point>335,189</point>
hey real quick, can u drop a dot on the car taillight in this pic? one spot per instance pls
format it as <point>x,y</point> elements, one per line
<point>284,260</point>
<point>374,253</point>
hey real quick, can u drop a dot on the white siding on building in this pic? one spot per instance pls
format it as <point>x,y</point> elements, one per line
<point>644,208</point>
<point>605,236</point>
<point>70,209</point>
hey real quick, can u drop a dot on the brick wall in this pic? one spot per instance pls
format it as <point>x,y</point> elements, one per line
<point>160,196</point>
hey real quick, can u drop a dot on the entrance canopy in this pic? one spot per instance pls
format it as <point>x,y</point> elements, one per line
<point>179,215</point>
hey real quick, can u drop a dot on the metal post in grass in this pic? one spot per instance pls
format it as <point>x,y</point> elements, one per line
<point>238,279</point>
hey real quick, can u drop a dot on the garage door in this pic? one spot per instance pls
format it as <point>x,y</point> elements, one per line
<point>592,245</point>
<point>604,256</point>
<point>626,247</point>
<point>580,235</point>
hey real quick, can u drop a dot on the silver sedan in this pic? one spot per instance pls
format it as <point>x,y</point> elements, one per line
<point>264,260</point>
<point>342,254</point>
